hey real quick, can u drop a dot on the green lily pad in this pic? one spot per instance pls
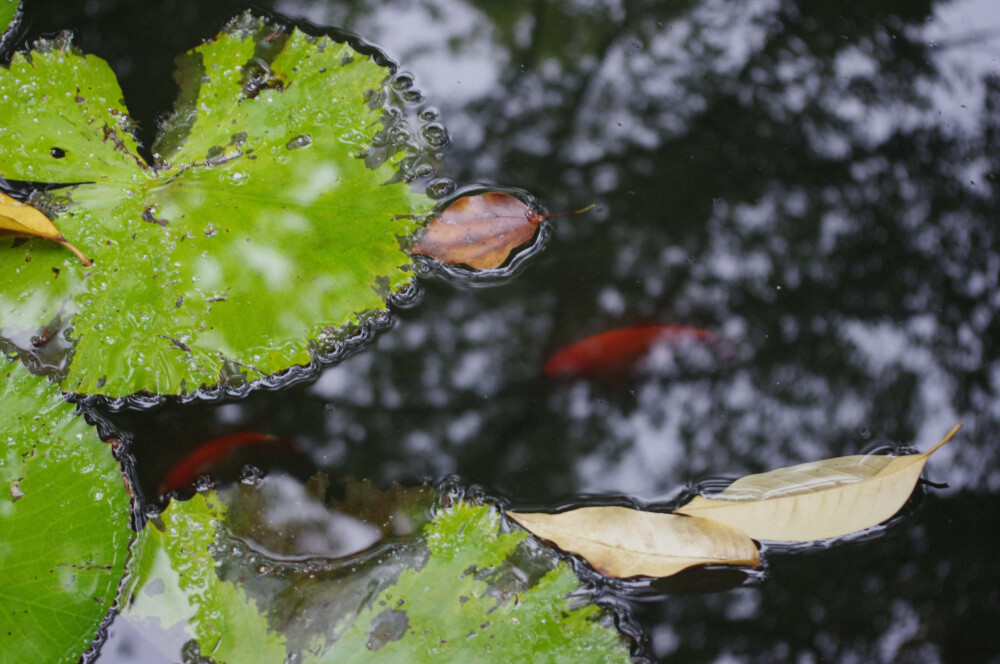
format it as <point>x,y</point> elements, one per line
<point>64,523</point>
<point>257,236</point>
<point>461,592</point>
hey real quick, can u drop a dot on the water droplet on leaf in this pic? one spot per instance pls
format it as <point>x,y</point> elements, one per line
<point>300,141</point>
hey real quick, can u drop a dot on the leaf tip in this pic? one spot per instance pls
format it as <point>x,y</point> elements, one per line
<point>948,436</point>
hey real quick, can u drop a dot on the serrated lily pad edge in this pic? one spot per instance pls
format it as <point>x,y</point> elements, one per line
<point>9,28</point>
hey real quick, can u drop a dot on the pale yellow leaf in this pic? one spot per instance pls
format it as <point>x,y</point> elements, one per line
<point>621,542</point>
<point>24,219</point>
<point>818,500</point>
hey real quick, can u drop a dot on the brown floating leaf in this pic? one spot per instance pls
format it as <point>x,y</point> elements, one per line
<point>23,219</point>
<point>480,231</point>
<point>818,500</point>
<point>621,542</point>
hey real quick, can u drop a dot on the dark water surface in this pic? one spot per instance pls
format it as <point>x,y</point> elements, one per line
<point>815,180</point>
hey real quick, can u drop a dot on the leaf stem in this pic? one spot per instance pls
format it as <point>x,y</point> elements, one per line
<point>568,214</point>
<point>76,252</point>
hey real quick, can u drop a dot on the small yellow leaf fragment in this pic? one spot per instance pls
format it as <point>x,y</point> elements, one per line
<point>620,542</point>
<point>818,500</point>
<point>24,219</point>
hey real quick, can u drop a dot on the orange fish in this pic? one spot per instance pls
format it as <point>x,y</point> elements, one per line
<point>210,456</point>
<point>617,351</point>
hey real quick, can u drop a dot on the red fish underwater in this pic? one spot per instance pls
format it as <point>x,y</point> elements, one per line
<point>619,351</point>
<point>214,456</point>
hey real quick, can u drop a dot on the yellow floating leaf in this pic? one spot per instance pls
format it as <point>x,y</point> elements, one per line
<point>23,219</point>
<point>818,500</point>
<point>621,542</point>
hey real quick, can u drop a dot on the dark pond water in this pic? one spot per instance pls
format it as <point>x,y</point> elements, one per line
<point>815,180</point>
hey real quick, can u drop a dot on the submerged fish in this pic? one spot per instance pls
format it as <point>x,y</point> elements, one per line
<point>618,351</point>
<point>213,456</point>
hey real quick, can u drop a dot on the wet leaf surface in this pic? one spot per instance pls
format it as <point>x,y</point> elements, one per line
<point>175,593</point>
<point>22,219</point>
<point>462,591</point>
<point>467,603</point>
<point>621,542</point>
<point>480,231</point>
<point>64,523</point>
<point>392,510</point>
<point>257,232</point>
<point>818,500</point>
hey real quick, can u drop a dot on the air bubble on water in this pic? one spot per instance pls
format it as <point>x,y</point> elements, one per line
<point>440,188</point>
<point>251,475</point>
<point>400,134</point>
<point>402,82</point>
<point>204,483</point>
<point>436,135</point>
